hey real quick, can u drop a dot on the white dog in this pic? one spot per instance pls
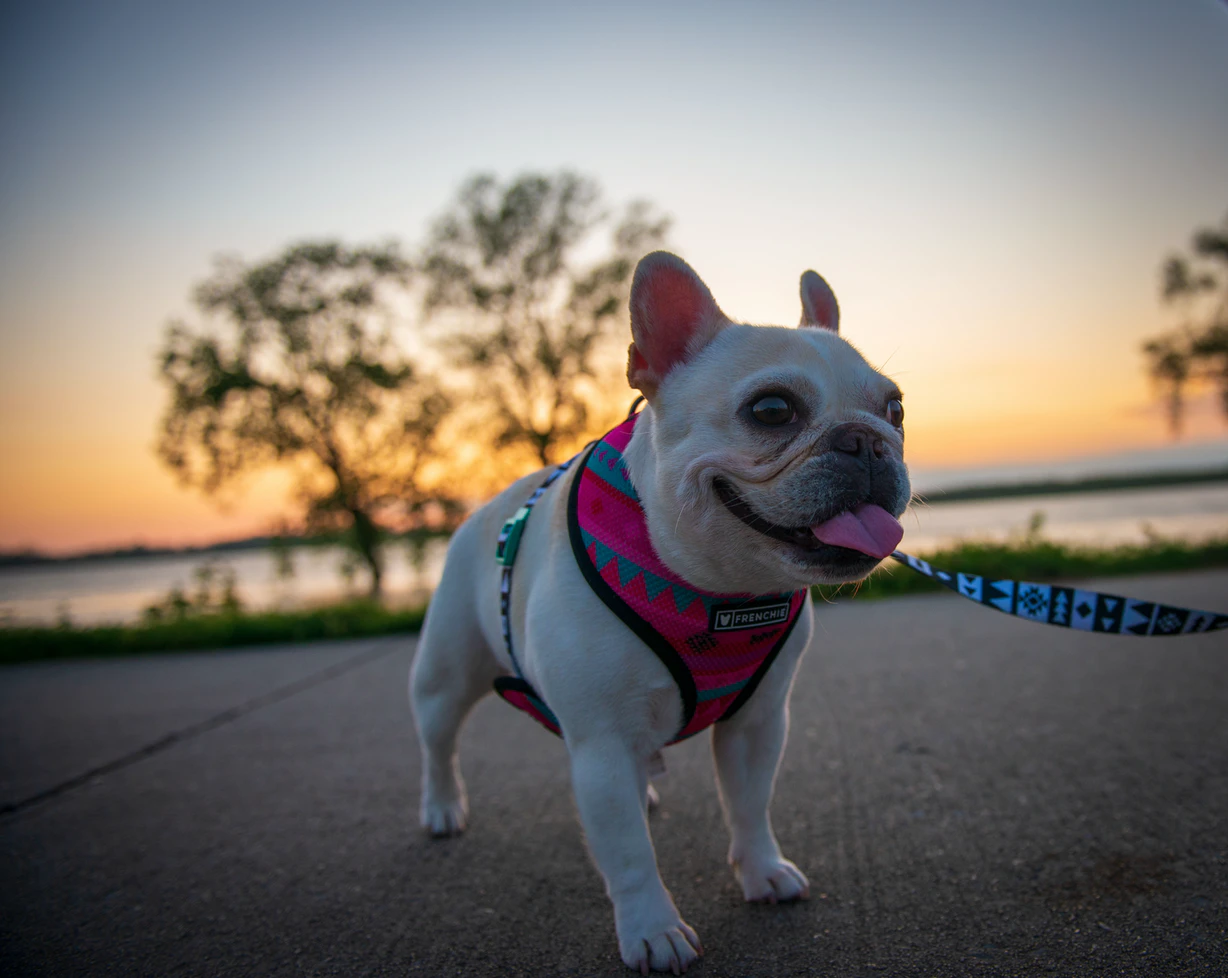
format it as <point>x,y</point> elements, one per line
<point>662,579</point>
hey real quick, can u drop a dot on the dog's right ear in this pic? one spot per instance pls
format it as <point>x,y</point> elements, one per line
<point>673,317</point>
<point>819,306</point>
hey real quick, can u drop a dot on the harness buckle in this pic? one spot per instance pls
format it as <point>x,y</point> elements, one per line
<point>509,537</point>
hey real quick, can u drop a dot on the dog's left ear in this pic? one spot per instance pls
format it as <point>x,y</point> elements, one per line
<point>819,306</point>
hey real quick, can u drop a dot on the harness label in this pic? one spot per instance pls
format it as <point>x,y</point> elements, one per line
<point>757,614</point>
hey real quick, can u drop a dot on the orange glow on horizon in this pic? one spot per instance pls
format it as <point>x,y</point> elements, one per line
<point>97,496</point>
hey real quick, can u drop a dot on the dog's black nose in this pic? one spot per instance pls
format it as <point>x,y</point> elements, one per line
<point>857,439</point>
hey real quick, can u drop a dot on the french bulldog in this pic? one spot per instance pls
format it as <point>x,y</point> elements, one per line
<point>765,460</point>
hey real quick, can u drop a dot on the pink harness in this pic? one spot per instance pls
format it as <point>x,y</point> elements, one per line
<point>718,647</point>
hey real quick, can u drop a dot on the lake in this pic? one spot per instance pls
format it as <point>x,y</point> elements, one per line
<point>115,589</point>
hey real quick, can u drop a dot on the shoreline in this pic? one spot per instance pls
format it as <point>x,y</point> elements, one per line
<point>1191,478</point>
<point>1029,559</point>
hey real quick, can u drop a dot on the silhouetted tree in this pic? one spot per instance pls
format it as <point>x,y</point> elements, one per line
<point>303,369</point>
<point>1197,350</point>
<point>529,314</point>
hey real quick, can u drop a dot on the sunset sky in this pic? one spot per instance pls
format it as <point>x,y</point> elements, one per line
<point>990,188</point>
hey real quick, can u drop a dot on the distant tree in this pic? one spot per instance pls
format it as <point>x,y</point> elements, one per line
<point>529,313</point>
<point>301,368</point>
<point>1197,350</point>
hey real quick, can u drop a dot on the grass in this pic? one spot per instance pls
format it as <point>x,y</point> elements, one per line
<point>1029,558</point>
<point>1036,559</point>
<point>211,630</point>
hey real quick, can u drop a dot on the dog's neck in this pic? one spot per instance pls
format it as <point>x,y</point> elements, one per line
<point>663,511</point>
<point>641,464</point>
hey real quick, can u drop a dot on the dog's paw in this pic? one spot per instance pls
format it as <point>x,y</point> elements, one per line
<point>444,818</point>
<point>776,881</point>
<point>673,948</point>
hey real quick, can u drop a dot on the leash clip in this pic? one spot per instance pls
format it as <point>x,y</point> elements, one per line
<point>509,537</point>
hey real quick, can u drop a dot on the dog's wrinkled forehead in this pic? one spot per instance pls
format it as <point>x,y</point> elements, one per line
<point>815,365</point>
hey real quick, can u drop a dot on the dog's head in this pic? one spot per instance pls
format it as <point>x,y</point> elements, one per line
<point>768,458</point>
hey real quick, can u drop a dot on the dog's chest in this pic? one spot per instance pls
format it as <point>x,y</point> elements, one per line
<point>717,647</point>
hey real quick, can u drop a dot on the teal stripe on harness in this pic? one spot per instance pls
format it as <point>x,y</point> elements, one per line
<point>716,694</point>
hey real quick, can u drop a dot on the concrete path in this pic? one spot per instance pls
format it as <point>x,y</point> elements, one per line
<point>969,794</point>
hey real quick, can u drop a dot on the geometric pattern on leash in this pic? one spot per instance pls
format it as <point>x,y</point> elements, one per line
<point>1067,607</point>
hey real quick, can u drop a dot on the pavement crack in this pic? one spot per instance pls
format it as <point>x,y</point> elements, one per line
<point>194,730</point>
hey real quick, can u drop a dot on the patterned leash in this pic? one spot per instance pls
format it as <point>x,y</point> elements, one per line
<point>1068,607</point>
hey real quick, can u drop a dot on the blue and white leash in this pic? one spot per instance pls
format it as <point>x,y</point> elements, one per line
<point>1067,607</point>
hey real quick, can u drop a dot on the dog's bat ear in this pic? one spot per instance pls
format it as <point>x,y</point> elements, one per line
<point>819,306</point>
<point>673,317</point>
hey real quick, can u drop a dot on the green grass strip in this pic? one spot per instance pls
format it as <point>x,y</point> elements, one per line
<point>355,619</point>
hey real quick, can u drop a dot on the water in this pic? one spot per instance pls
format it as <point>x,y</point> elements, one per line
<point>1117,516</point>
<point>119,589</point>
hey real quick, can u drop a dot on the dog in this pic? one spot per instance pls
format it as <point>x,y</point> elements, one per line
<point>765,460</point>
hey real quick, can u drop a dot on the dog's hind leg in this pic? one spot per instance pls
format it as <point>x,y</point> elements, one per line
<point>454,668</point>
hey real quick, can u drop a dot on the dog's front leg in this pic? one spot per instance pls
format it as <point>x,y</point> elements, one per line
<point>747,752</point>
<point>611,786</point>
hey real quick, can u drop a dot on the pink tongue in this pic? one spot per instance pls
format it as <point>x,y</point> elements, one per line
<point>868,528</point>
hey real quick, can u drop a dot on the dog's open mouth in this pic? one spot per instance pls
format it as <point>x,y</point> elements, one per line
<point>866,528</point>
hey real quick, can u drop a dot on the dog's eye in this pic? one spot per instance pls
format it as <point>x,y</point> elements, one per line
<point>895,412</point>
<point>773,410</point>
